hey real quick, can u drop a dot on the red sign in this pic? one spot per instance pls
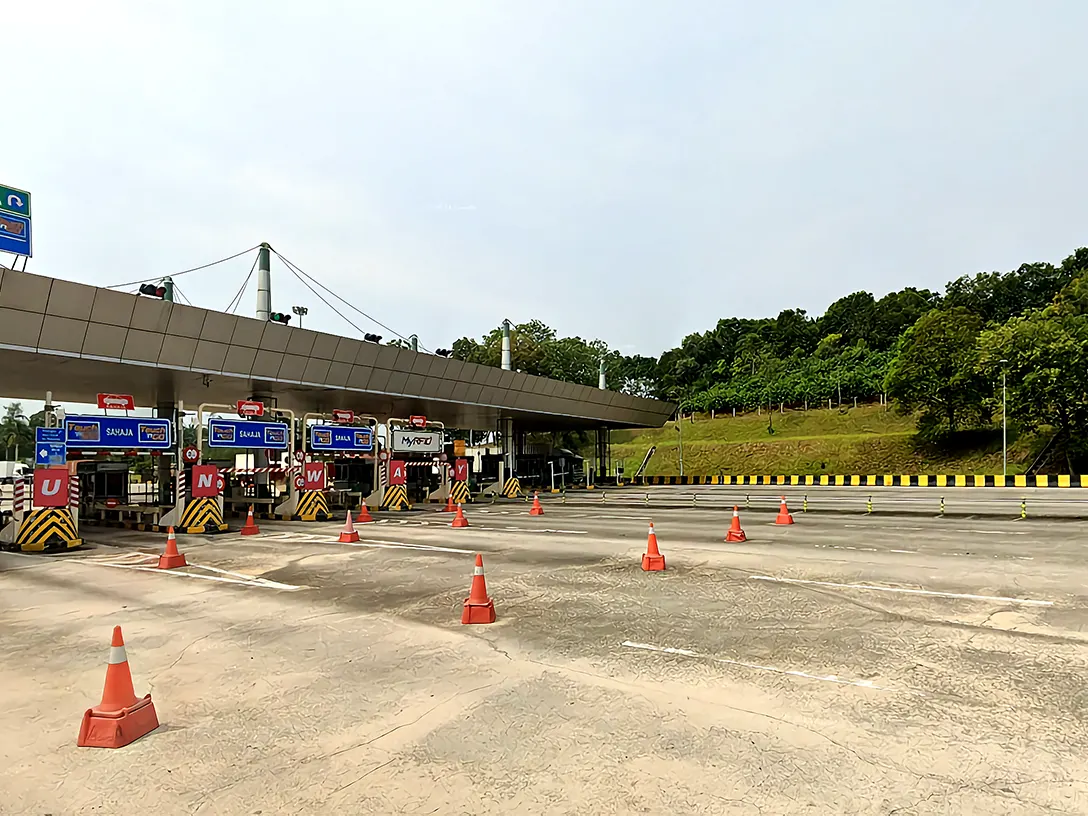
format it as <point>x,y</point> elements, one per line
<point>116,402</point>
<point>397,472</point>
<point>51,487</point>
<point>315,476</point>
<point>300,456</point>
<point>250,408</point>
<point>300,482</point>
<point>191,455</point>
<point>383,455</point>
<point>417,421</point>
<point>341,415</point>
<point>205,480</point>
<point>460,470</point>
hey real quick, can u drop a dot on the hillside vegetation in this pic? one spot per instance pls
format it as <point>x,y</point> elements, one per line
<point>945,358</point>
<point>864,440</point>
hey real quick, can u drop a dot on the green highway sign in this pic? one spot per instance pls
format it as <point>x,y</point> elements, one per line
<point>14,201</point>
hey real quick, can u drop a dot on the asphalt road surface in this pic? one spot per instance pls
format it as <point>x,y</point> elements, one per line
<point>846,664</point>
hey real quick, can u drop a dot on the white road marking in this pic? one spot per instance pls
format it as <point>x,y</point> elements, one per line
<point>905,591</point>
<point>400,545</point>
<point>247,580</point>
<point>829,678</point>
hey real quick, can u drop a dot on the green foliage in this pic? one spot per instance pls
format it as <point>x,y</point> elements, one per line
<point>935,370</point>
<point>17,432</point>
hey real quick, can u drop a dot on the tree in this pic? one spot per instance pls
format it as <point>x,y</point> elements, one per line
<point>16,432</point>
<point>854,317</point>
<point>935,370</point>
<point>536,349</point>
<point>1043,354</point>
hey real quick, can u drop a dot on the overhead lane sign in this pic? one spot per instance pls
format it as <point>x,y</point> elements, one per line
<point>341,438</point>
<point>239,433</point>
<point>128,433</point>
<point>15,221</point>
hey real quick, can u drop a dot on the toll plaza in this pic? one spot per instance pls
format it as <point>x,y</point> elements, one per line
<point>272,406</point>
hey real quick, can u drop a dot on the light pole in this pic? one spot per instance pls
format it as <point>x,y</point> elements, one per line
<point>1004,423</point>
<point>680,430</point>
<point>301,311</point>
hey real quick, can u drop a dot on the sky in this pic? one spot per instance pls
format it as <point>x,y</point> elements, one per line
<point>629,171</point>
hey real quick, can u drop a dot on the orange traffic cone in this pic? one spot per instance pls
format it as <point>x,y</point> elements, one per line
<point>783,516</point>
<point>348,534</point>
<point>450,507</point>
<point>120,718</point>
<point>171,558</point>
<point>478,607</point>
<point>364,515</point>
<point>735,532</point>
<point>536,509</point>
<point>250,527</point>
<point>459,520</point>
<point>653,560</point>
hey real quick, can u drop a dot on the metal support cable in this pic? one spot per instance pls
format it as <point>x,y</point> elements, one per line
<point>237,299</point>
<point>184,271</point>
<point>299,272</point>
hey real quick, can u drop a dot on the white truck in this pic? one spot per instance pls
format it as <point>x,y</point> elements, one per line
<point>8,472</point>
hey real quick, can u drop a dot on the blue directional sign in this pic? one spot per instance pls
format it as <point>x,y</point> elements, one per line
<point>241,433</point>
<point>50,454</point>
<point>119,433</point>
<point>49,447</point>
<point>341,438</point>
<point>15,221</point>
<point>49,435</point>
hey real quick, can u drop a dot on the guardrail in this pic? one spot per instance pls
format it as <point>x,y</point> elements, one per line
<point>886,480</point>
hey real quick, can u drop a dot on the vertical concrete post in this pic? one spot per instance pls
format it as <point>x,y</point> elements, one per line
<point>264,282</point>
<point>507,363</point>
<point>601,379</point>
<point>166,483</point>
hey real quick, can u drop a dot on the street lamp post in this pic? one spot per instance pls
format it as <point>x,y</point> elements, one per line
<point>680,430</point>
<point>301,311</point>
<point>1004,424</point>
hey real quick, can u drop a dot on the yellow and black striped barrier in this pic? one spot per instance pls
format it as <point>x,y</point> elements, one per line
<point>313,505</point>
<point>202,516</point>
<point>395,498</point>
<point>459,493</point>
<point>49,528</point>
<point>886,480</point>
<point>512,488</point>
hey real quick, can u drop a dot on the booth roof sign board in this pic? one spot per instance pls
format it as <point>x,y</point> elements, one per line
<point>240,433</point>
<point>125,433</point>
<point>15,221</point>
<point>417,441</point>
<point>340,438</point>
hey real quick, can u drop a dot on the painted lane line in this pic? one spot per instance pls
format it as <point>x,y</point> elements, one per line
<point>400,545</point>
<point>244,577</point>
<point>829,678</point>
<point>905,591</point>
<point>251,582</point>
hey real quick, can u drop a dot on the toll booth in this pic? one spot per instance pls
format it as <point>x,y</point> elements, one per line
<point>344,444</point>
<point>117,469</point>
<point>264,440</point>
<point>415,470</point>
<point>555,469</point>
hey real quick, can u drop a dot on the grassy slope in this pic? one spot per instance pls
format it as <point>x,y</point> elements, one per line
<point>864,440</point>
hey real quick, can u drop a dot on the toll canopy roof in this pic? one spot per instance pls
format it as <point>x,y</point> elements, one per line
<point>77,341</point>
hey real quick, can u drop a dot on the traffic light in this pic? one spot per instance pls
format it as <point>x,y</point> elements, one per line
<point>443,352</point>
<point>280,317</point>
<point>151,290</point>
<point>372,338</point>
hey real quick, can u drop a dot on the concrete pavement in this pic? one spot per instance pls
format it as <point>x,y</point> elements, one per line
<point>844,664</point>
